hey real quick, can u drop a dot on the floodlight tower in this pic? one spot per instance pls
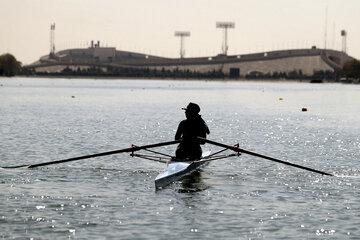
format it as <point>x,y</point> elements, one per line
<point>52,39</point>
<point>343,35</point>
<point>225,26</point>
<point>182,34</point>
<point>325,32</point>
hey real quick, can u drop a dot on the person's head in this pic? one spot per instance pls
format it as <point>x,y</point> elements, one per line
<point>191,110</point>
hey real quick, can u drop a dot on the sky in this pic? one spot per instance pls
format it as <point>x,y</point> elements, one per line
<point>148,26</point>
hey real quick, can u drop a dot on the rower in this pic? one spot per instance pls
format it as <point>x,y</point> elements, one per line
<point>188,131</point>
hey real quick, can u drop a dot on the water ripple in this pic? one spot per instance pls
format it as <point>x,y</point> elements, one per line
<point>114,197</point>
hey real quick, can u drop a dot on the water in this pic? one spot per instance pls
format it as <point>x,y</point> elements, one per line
<point>113,197</point>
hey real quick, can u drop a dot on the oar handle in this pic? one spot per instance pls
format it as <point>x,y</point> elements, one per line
<point>237,149</point>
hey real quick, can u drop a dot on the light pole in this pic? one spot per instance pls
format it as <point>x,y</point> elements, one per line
<point>225,26</point>
<point>52,39</point>
<point>343,35</point>
<point>182,34</point>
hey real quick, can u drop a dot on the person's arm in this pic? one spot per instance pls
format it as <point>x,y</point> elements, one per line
<point>204,131</point>
<point>179,132</point>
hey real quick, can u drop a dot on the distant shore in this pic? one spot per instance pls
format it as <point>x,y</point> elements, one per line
<point>226,79</point>
<point>168,79</point>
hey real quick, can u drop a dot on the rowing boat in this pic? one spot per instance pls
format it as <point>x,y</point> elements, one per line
<point>177,170</point>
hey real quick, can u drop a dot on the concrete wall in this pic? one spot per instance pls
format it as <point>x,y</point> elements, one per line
<point>306,64</point>
<point>306,60</point>
<point>104,54</point>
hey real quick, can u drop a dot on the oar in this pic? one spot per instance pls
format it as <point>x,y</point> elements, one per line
<point>131,149</point>
<point>237,149</point>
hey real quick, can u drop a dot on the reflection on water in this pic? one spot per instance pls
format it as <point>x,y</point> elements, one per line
<point>114,197</point>
<point>193,183</point>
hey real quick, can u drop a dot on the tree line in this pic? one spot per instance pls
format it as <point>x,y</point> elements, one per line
<point>351,69</point>
<point>186,74</point>
<point>9,66</point>
<point>136,73</point>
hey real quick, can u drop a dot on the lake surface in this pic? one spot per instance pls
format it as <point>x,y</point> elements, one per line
<point>114,197</point>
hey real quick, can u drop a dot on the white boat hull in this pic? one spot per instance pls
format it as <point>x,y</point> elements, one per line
<point>177,170</point>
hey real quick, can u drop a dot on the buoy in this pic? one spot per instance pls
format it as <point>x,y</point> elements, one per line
<point>304,109</point>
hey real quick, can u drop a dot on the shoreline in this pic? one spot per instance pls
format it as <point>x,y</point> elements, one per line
<point>168,79</point>
<point>279,80</point>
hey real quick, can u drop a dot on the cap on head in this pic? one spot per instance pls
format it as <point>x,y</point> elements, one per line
<point>192,107</point>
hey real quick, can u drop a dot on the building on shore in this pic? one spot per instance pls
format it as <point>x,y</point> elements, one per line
<point>305,60</point>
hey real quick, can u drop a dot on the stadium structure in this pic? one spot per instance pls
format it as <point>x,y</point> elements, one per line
<point>306,60</point>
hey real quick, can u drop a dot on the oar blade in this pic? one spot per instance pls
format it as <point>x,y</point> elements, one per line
<point>19,167</point>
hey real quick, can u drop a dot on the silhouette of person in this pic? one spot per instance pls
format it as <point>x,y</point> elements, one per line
<point>188,131</point>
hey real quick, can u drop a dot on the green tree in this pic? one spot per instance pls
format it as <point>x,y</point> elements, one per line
<point>9,66</point>
<point>351,69</point>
